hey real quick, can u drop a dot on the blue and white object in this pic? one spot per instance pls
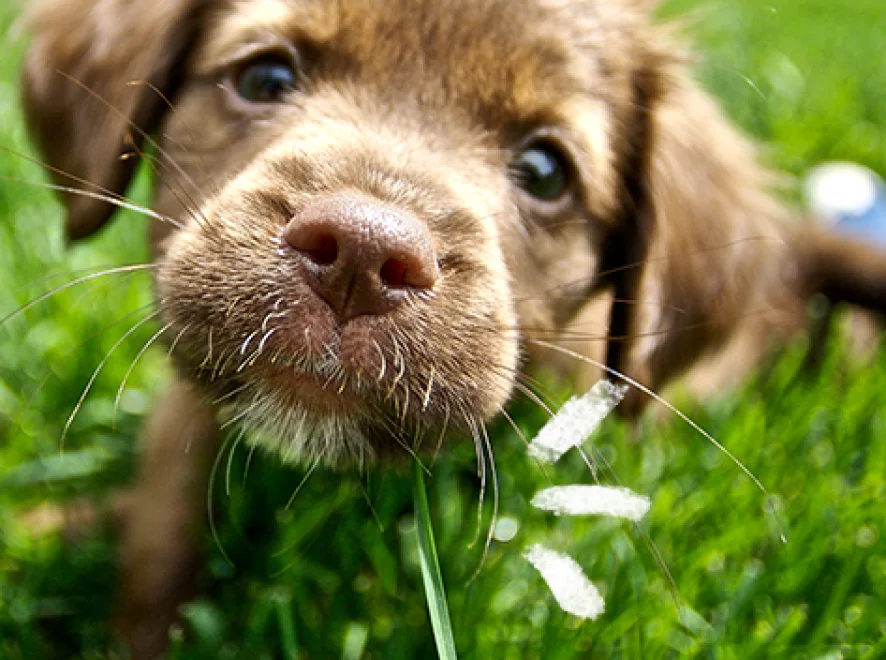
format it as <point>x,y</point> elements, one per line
<point>851,198</point>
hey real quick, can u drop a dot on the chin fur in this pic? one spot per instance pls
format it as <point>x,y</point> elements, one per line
<point>298,435</point>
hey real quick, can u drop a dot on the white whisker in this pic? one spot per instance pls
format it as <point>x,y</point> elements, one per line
<point>115,201</point>
<point>68,285</point>
<point>301,484</point>
<point>481,473</point>
<point>240,435</point>
<point>96,372</point>
<point>134,362</point>
<point>495,501</point>
<point>210,510</point>
<point>683,416</point>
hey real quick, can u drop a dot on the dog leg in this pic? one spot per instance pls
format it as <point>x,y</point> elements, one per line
<point>160,549</point>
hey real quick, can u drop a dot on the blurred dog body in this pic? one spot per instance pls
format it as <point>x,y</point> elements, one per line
<point>376,214</point>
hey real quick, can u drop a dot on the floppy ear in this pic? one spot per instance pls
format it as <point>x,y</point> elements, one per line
<point>723,257</point>
<point>81,109</point>
<point>714,242</point>
<point>626,248</point>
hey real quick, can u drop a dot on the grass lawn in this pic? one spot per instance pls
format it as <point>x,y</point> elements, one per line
<point>336,575</point>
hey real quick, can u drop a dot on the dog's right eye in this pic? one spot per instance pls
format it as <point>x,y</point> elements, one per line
<point>267,79</point>
<point>541,170</point>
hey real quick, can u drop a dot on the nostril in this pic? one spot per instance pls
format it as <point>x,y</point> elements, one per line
<point>316,242</point>
<point>415,272</point>
<point>323,249</point>
<point>394,273</point>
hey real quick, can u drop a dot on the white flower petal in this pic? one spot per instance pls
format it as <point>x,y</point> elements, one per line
<point>571,588</point>
<point>577,419</point>
<point>592,500</point>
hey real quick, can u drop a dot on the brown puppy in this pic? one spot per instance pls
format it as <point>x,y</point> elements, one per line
<point>376,210</point>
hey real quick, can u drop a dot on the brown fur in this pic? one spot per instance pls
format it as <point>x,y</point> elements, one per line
<point>420,105</point>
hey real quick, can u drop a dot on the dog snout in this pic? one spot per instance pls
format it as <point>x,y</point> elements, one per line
<point>362,256</point>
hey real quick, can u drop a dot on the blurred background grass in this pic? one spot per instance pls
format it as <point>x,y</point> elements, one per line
<point>335,574</point>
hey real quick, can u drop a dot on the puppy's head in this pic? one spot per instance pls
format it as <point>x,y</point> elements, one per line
<point>374,202</point>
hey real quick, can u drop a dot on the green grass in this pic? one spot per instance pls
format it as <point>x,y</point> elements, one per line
<point>337,574</point>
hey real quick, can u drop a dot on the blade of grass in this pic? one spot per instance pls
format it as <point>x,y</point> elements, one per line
<point>430,568</point>
<point>283,605</point>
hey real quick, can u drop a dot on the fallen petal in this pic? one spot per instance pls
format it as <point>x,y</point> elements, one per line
<point>592,500</point>
<point>571,588</point>
<point>577,419</point>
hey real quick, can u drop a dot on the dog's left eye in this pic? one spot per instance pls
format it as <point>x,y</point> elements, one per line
<point>266,80</point>
<point>541,170</point>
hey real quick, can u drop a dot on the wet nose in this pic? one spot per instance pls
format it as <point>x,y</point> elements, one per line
<point>362,256</point>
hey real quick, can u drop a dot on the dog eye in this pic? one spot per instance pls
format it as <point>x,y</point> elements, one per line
<point>541,170</point>
<point>267,79</point>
